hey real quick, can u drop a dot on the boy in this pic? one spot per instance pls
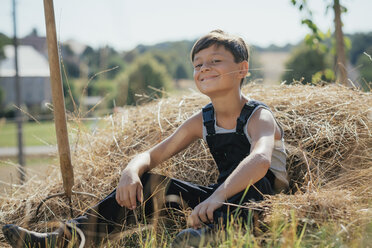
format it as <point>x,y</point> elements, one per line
<point>245,140</point>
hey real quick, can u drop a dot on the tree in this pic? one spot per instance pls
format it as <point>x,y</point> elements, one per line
<point>70,62</point>
<point>317,35</point>
<point>170,54</point>
<point>4,40</point>
<point>303,64</point>
<point>70,94</point>
<point>340,46</point>
<point>365,63</point>
<point>104,58</point>
<point>181,72</point>
<point>361,42</point>
<point>144,75</point>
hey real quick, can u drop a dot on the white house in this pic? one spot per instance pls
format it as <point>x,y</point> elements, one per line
<point>33,70</point>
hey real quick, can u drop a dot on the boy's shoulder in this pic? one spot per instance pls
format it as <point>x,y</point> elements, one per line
<point>252,103</point>
<point>193,125</point>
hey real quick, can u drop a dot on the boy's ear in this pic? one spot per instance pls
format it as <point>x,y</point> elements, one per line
<point>244,68</point>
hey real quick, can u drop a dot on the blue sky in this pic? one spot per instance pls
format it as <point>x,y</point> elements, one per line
<point>124,24</point>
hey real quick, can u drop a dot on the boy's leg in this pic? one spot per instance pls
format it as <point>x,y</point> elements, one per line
<point>255,193</point>
<point>108,217</point>
<point>160,192</point>
<point>200,237</point>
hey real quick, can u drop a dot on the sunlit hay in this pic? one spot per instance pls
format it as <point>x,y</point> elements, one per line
<point>327,213</point>
<point>317,206</point>
<point>327,133</point>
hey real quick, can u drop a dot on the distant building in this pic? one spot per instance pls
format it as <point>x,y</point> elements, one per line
<point>33,70</point>
<point>37,42</point>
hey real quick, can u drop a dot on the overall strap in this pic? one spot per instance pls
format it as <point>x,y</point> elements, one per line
<point>208,119</point>
<point>244,115</point>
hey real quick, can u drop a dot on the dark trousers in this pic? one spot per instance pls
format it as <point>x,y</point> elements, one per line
<point>161,193</point>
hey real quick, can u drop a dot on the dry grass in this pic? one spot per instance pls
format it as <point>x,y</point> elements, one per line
<point>329,143</point>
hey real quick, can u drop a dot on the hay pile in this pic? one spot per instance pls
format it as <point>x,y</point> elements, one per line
<point>327,134</point>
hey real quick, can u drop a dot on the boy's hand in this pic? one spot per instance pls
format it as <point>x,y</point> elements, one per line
<point>203,213</point>
<point>129,189</point>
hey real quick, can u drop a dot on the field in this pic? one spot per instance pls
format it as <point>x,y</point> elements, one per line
<point>328,140</point>
<point>35,134</point>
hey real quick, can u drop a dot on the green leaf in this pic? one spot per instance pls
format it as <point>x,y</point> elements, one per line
<point>321,35</point>
<point>317,77</point>
<point>329,33</point>
<point>329,75</point>
<point>322,48</point>
<point>347,42</point>
<point>309,40</point>
<point>311,25</point>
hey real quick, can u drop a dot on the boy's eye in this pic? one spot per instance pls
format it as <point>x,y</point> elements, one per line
<point>197,66</point>
<point>216,61</point>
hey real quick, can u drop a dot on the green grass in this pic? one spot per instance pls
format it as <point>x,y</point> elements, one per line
<point>280,233</point>
<point>34,134</point>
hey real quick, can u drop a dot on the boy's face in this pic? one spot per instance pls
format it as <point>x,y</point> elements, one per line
<point>215,71</point>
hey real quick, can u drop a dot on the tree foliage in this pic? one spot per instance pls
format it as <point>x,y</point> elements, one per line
<point>365,64</point>
<point>316,37</point>
<point>173,55</point>
<point>102,59</point>
<point>70,62</point>
<point>4,40</point>
<point>361,43</point>
<point>70,94</point>
<point>142,78</point>
<point>181,72</point>
<point>304,63</point>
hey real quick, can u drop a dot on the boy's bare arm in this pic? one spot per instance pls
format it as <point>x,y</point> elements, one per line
<point>129,189</point>
<point>254,167</point>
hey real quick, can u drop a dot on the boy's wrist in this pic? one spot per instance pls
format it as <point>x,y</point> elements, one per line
<point>138,165</point>
<point>220,194</point>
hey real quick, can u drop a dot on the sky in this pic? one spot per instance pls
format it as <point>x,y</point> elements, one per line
<point>123,24</point>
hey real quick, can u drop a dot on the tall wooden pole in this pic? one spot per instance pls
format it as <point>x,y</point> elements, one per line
<point>58,99</point>
<point>18,94</point>
<point>341,71</point>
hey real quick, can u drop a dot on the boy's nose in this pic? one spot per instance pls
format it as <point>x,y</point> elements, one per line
<point>205,67</point>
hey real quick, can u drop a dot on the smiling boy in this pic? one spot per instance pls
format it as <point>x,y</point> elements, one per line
<point>243,137</point>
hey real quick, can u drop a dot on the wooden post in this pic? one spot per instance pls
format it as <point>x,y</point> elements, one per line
<point>18,94</point>
<point>58,99</point>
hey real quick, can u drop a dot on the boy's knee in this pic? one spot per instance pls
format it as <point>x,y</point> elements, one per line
<point>153,183</point>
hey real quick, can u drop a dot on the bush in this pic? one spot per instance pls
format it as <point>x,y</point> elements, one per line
<point>8,112</point>
<point>365,64</point>
<point>303,64</point>
<point>146,73</point>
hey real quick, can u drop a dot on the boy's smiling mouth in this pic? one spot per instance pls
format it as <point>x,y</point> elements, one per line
<point>203,79</point>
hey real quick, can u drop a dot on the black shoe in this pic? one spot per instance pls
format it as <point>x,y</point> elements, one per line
<point>193,238</point>
<point>19,237</point>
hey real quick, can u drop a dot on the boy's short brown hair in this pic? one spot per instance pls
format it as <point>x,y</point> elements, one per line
<point>233,44</point>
